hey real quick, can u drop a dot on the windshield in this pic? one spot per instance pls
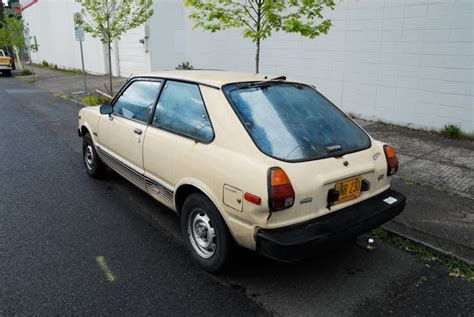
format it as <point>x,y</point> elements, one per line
<point>294,122</point>
<point>2,53</point>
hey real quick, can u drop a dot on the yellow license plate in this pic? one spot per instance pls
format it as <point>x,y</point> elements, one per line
<point>348,189</point>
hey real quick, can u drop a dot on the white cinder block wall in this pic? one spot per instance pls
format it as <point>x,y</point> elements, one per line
<point>51,21</point>
<point>408,62</point>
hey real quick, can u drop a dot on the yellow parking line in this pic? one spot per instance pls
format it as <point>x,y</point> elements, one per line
<point>108,273</point>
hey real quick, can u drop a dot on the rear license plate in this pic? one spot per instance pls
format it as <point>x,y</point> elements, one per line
<point>348,189</point>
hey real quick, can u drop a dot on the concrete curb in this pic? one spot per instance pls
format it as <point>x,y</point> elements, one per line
<point>81,104</point>
<point>460,253</point>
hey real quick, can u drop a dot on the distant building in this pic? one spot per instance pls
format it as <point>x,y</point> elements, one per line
<point>405,62</point>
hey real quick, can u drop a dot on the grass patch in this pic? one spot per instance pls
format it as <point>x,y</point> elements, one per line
<point>26,72</point>
<point>409,181</point>
<point>455,266</point>
<point>27,80</point>
<point>95,100</point>
<point>60,95</point>
<point>47,65</point>
<point>451,131</point>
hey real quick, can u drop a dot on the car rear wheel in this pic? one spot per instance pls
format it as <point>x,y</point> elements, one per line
<point>8,73</point>
<point>206,233</point>
<point>94,166</point>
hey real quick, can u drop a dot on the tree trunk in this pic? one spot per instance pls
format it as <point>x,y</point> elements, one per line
<point>110,68</point>
<point>18,61</point>
<point>259,21</point>
<point>257,57</point>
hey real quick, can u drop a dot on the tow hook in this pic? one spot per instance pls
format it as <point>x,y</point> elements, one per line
<point>366,242</point>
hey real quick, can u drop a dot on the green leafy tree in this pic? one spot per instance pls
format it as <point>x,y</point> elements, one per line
<point>259,18</point>
<point>109,19</point>
<point>4,42</point>
<point>12,36</point>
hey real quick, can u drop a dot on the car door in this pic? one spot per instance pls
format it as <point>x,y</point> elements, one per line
<point>180,130</point>
<point>121,134</point>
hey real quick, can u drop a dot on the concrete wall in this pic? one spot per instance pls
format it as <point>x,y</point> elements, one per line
<point>52,23</point>
<point>408,62</point>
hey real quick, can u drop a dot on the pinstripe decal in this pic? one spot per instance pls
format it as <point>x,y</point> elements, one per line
<point>154,188</point>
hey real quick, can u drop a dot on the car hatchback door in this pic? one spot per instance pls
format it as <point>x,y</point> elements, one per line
<point>121,134</point>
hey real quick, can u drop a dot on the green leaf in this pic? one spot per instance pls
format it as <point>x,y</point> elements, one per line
<point>259,18</point>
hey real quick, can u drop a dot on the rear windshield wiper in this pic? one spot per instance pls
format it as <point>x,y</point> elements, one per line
<point>259,84</point>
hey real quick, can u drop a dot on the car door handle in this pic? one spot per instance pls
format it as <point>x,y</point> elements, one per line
<point>137,131</point>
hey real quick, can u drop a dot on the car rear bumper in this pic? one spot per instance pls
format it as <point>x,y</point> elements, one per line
<point>5,67</point>
<point>294,242</point>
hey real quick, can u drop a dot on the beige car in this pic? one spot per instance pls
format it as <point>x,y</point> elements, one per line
<point>251,160</point>
<point>6,64</point>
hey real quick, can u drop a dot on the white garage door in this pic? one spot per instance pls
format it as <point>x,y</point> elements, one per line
<point>133,58</point>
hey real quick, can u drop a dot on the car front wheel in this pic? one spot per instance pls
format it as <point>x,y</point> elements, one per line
<point>206,233</point>
<point>94,166</point>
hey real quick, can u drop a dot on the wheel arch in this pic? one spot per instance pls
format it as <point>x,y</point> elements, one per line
<point>86,128</point>
<point>188,187</point>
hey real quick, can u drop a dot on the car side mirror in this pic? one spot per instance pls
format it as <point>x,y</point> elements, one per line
<point>106,109</point>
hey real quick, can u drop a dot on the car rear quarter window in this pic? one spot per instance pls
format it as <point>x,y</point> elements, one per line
<point>294,122</point>
<point>137,101</point>
<point>181,110</point>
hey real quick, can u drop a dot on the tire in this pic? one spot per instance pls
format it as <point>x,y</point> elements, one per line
<point>206,233</point>
<point>8,73</point>
<point>95,168</point>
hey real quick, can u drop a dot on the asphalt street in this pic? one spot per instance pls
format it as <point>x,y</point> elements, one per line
<point>73,245</point>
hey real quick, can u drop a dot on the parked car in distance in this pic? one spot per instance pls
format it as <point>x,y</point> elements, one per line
<point>265,163</point>
<point>6,64</point>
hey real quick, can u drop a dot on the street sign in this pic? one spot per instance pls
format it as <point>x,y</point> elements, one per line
<point>77,16</point>
<point>79,33</point>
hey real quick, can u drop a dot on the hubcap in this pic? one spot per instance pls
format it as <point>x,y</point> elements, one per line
<point>202,234</point>
<point>89,157</point>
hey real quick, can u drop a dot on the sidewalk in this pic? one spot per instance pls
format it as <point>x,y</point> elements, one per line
<point>436,174</point>
<point>66,83</point>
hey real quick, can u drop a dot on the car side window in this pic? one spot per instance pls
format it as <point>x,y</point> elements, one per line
<point>181,110</point>
<point>137,100</point>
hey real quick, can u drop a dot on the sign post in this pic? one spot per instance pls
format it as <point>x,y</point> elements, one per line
<point>79,34</point>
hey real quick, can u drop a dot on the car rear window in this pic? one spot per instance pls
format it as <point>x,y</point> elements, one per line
<point>294,122</point>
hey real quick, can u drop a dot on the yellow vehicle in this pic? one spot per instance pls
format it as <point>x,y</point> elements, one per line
<point>259,161</point>
<point>6,64</point>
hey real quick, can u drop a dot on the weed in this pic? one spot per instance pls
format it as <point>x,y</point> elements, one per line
<point>95,100</point>
<point>455,266</point>
<point>74,71</point>
<point>451,131</point>
<point>421,280</point>
<point>60,95</point>
<point>409,181</point>
<point>26,72</point>
<point>184,66</point>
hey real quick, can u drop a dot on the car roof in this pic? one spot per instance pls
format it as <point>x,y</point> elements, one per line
<point>214,78</point>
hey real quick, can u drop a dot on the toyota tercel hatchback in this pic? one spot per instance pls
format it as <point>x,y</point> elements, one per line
<point>265,163</point>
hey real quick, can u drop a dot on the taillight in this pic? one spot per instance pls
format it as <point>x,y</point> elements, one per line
<point>280,192</point>
<point>392,161</point>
